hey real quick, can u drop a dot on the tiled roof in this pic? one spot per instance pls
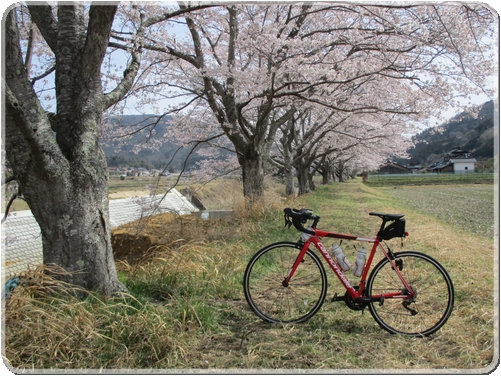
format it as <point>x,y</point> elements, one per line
<point>463,160</point>
<point>21,238</point>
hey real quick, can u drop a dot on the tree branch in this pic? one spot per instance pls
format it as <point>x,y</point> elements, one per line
<point>42,16</point>
<point>98,35</point>
<point>130,72</point>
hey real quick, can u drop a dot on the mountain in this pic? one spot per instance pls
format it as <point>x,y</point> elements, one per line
<point>472,133</point>
<point>165,155</point>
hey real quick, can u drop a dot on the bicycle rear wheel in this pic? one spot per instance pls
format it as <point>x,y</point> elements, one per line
<point>426,312</point>
<point>267,296</point>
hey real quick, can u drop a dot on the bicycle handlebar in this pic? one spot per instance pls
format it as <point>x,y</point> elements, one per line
<point>298,217</point>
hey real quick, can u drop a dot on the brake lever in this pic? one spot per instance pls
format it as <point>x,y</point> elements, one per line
<point>288,222</point>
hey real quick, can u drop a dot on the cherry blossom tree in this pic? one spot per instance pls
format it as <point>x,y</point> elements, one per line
<point>248,63</point>
<point>56,157</point>
<point>55,154</point>
<point>321,140</point>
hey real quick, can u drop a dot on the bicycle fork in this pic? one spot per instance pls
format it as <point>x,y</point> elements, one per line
<point>299,259</point>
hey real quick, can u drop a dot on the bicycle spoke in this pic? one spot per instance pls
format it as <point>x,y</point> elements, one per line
<point>264,290</point>
<point>427,310</point>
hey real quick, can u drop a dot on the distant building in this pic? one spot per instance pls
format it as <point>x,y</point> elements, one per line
<point>393,168</point>
<point>457,161</point>
<point>414,167</point>
<point>113,170</point>
<point>463,165</point>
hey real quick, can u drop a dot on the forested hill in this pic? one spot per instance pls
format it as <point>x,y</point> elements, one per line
<point>140,151</point>
<point>147,157</point>
<point>474,134</point>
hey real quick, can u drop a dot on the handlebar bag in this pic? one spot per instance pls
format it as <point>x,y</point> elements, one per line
<point>394,230</point>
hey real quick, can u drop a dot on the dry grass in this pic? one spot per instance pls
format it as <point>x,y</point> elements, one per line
<point>469,336</point>
<point>186,308</point>
<point>227,193</point>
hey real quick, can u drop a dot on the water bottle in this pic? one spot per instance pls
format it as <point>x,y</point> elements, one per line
<point>359,262</point>
<point>337,253</point>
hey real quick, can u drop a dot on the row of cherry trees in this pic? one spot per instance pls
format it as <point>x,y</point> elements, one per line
<point>310,87</point>
<point>299,85</point>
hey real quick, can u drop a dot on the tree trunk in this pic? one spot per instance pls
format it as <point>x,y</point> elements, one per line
<point>56,158</point>
<point>326,172</point>
<point>302,179</point>
<point>288,154</point>
<point>72,211</point>
<point>289,182</point>
<point>253,177</point>
<point>311,183</point>
<point>339,171</point>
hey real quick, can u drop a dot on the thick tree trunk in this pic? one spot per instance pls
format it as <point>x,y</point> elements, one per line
<point>72,210</point>
<point>56,158</point>
<point>253,177</point>
<point>70,202</point>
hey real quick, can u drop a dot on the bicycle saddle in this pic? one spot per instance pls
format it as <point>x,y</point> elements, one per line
<point>387,217</point>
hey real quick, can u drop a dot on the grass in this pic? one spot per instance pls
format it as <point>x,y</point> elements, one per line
<point>430,179</point>
<point>465,206</point>
<point>186,308</point>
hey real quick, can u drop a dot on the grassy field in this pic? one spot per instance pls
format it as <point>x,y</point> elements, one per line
<point>467,207</point>
<point>430,179</point>
<point>186,309</point>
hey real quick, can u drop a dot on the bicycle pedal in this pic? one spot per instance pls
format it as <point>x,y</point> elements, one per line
<point>336,298</point>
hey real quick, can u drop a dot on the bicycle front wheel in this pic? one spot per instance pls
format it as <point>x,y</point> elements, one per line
<point>427,311</point>
<point>264,290</point>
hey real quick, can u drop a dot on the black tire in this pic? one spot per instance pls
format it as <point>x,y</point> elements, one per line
<point>428,311</point>
<point>267,296</point>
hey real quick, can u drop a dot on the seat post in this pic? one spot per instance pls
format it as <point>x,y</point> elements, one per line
<point>383,223</point>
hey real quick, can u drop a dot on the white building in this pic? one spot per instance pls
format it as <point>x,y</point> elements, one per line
<point>463,164</point>
<point>457,160</point>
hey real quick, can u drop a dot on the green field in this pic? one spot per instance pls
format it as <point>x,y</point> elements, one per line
<point>186,309</point>
<point>430,179</point>
<point>467,207</point>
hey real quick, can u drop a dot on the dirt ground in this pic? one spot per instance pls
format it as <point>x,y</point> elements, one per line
<point>143,239</point>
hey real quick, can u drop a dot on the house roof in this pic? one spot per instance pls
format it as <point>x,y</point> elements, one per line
<point>393,164</point>
<point>463,160</point>
<point>22,242</point>
<point>439,165</point>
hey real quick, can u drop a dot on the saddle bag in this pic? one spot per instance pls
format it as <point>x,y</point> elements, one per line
<point>394,230</point>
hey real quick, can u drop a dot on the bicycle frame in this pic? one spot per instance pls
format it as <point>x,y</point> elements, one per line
<point>357,295</point>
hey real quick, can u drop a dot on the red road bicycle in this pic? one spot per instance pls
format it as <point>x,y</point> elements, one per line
<point>406,292</point>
